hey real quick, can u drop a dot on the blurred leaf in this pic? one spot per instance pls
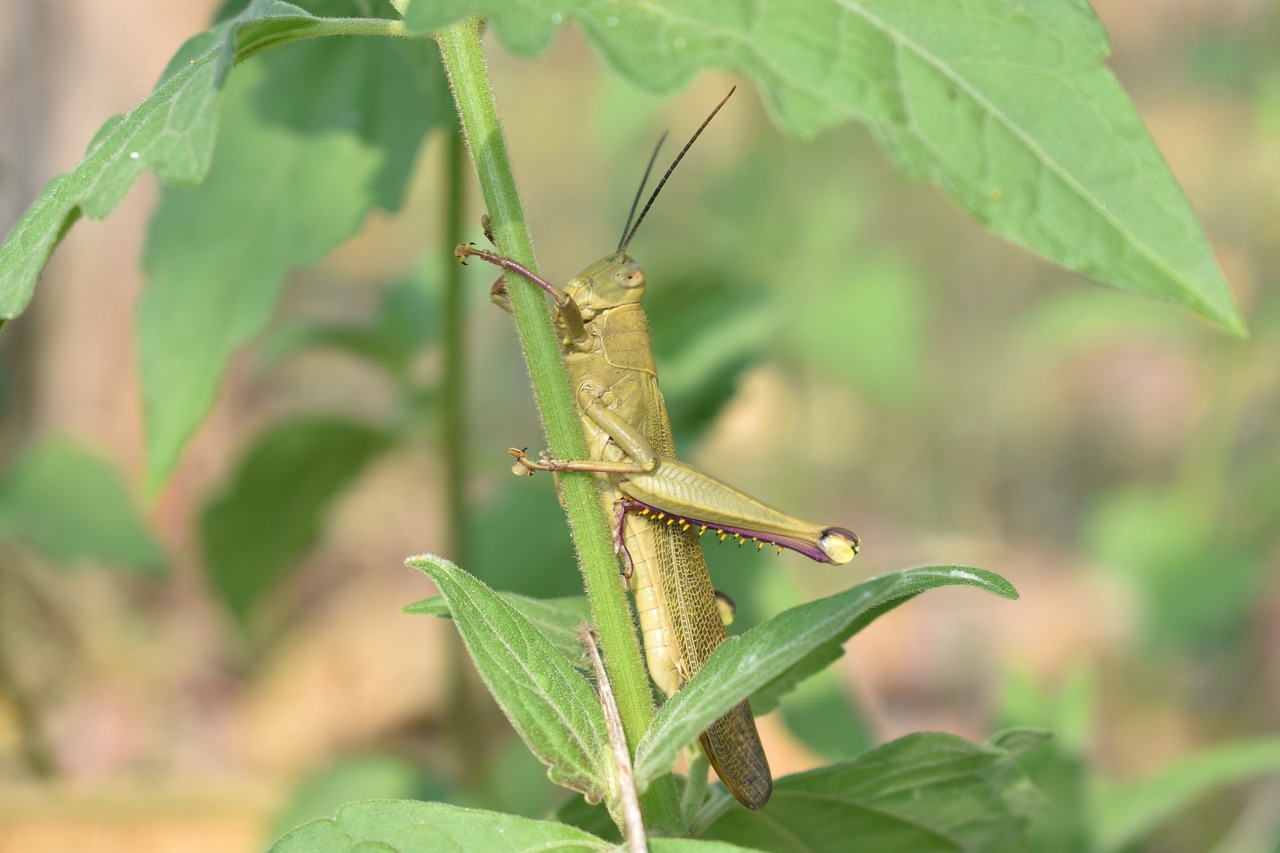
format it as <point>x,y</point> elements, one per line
<point>1067,712</point>
<point>360,779</point>
<point>513,781</point>
<point>314,139</point>
<point>711,330</point>
<point>70,505</point>
<point>821,716</point>
<point>271,513</point>
<point>869,332</point>
<point>1006,104</point>
<point>695,845</point>
<point>589,817</point>
<point>775,649</point>
<point>1124,813</point>
<point>1063,825</point>
<point>1196,583</point>
<point>409,827</point>
<point>171,133</point>
<point>1058,768</point>
<point>550,704</point>
<point>1267,107</point>
<point>923,792</point>
<point>405,323</point>
<point>1228,61</point>
<point>533,554</point>
<point>1082,320</point>
<point>557,618</point>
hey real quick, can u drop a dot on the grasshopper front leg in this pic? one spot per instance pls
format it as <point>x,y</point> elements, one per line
<point>569,311</point>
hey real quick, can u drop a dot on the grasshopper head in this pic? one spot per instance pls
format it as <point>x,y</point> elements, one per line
<point>611,281</point>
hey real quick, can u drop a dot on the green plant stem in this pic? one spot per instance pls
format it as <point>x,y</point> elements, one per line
<point>466,714</point>
<point>259,40</point>
<point>468,77</point>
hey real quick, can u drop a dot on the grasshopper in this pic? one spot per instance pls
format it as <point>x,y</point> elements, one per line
<point>660,505</point>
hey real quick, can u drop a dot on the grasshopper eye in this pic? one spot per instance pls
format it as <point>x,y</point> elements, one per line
<point>629,276</point>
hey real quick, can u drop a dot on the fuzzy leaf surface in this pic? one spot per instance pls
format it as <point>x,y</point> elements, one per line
<point>557,618</point>
<point>923,793</point>
<point>549,703</point>
<point>408,826</point>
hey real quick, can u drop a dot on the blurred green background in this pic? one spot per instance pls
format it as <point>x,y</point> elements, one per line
<point>843,345</point>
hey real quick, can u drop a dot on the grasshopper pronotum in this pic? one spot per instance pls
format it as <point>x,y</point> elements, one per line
<point>661,505</point>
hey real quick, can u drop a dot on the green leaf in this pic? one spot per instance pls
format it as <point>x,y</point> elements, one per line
<point>746,663</point>
<point>314,138</point>
<point>921,793</point>
<point>596,820</point>
<point>695,845</point>
<point>408,827</point>
<point>171,134</point>
<point>1058,770</point>
<point>589,817</point>
<point>768,697</point>
<point>712,329</point>
<point>884,359</point>
<point>70,505</point>
<point>821,715</point>
<point>557,618</point>
<point>436,605</point>
<point>1124,813</point>
<point>404,323</point>
<point>370,777</point>
<point>1167,541</point>
<point>550,704</point>
<point>271,513</point>
<point>531,517</point>
<point>1005,104</point>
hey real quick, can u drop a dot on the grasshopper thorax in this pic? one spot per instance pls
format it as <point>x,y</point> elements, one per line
<point>610,282</point>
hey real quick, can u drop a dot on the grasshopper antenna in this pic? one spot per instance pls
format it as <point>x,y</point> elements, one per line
<point>635,202</point>
<point>629,234</point>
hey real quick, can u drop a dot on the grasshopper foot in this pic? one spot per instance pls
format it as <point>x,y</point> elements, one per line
<point>839,544</point>
<point>523,467</point>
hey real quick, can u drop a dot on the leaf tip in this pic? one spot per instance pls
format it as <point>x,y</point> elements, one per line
<point>433,606</point>
<point>1223,311</point>
<point>1234,324</point>
<point>435,567</point>
<point>989,581</point>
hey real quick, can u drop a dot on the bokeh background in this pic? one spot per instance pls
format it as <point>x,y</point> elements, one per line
<point>839,343</point>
